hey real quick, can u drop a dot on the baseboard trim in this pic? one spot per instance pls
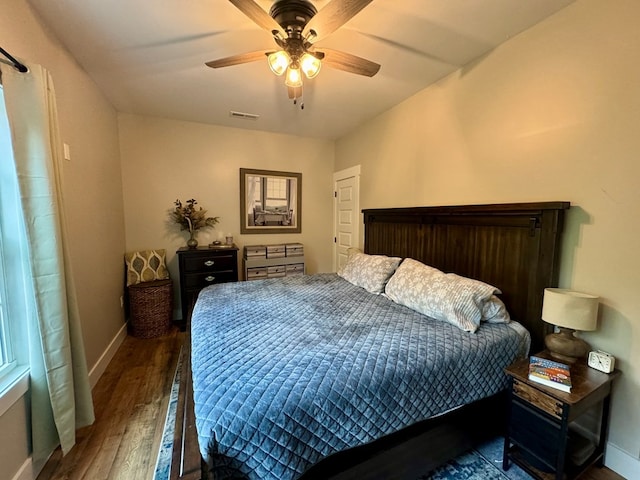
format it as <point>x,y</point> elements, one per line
<point>106,357</point>
<point>25,472</point>
<point>621,462</point>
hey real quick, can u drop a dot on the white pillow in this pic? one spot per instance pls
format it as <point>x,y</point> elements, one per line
<point>370,272</point>
<point>494,311</point>
<point>443,296</point>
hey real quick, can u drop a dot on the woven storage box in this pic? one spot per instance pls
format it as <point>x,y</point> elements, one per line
<point>151,308</point>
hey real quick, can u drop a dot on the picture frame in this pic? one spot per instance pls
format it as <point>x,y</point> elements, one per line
<point>270,201</point>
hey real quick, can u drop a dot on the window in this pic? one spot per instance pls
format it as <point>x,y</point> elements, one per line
<point>13,299</point>
<point>276,192</point>
<point>6,355</point>
<point>254,196</point>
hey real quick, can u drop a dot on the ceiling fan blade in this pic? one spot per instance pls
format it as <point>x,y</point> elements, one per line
<point>252,10</point>
<point>178,40</point>
<point>333,16</point>
<point>349,63</point>
<point>238,59</point>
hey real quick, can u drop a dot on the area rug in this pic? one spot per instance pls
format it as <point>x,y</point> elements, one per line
<point>163,462</point>
<point>482,463</point>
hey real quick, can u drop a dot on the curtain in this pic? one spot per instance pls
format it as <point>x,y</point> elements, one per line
<point>60,392</point>
<point>251,195</point>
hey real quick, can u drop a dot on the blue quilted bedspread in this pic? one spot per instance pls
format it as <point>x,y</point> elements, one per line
<point>288,371</point>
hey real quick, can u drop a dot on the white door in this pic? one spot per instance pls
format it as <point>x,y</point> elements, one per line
<point>346,213</point>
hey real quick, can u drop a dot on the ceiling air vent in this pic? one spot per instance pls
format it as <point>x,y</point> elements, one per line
<point>245,116</point>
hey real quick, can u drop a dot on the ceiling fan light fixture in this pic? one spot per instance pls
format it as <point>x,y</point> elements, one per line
<point>310,65</point>
<point>279,61</point>
<point>295,25</point>
<point>294,77</point>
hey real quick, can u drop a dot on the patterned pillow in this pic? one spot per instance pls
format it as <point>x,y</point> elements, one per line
<point>146,266</point>
<point>370,272</point>
<point>443,296</point>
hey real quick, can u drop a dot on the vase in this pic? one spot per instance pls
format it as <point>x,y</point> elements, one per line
<point>192,242</point>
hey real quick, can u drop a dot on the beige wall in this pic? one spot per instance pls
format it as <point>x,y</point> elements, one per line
<point>167,159</point>
<point>553,114</point>
<point>93,199</point>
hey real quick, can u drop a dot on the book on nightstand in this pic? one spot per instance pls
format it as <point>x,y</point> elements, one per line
<point>550,373</point>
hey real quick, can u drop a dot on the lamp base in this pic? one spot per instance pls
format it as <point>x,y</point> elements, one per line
<point>565,346</point>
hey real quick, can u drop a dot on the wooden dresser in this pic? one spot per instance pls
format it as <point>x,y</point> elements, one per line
<point>272,261</point>
<point>201,267</point>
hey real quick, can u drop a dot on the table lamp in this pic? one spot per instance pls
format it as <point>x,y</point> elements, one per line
<point>569,311</point>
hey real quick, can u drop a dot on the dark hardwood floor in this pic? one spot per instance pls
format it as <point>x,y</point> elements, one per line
<point>130,402</point>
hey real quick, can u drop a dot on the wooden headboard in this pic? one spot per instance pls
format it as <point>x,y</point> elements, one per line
<point>514,247</point>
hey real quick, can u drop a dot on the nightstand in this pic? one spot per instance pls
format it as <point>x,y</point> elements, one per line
<point>201,267</point>
<point>541,437</point>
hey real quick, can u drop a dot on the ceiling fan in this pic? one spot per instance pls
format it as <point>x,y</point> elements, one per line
<point>295,26</point>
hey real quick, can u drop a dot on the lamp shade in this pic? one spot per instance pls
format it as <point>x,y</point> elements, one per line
<point>278,62</point>
<point>310,65</point>
<point>569,309</point>
<point>294,77</point>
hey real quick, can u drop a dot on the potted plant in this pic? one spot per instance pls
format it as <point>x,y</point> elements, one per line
<point>192,218</point>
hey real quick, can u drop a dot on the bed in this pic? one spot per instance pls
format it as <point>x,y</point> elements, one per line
<point>311,376</point>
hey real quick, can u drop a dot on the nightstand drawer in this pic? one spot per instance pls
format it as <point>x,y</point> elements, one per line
<point>201,280</point>
<point>209,263</point>
<point>538,399</point>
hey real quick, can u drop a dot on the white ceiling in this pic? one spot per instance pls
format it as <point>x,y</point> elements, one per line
<point>148,56</point>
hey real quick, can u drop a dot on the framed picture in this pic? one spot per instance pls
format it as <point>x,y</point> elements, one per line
<point>270,202</point>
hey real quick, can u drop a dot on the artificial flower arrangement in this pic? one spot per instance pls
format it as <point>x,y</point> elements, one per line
<point>192,218</point>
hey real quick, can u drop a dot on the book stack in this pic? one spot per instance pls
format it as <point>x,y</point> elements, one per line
<point>550,373</point>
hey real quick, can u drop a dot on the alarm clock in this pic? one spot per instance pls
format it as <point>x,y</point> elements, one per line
<point>602,361</point>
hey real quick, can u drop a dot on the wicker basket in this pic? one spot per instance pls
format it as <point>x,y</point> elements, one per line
<point>151,308</point>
